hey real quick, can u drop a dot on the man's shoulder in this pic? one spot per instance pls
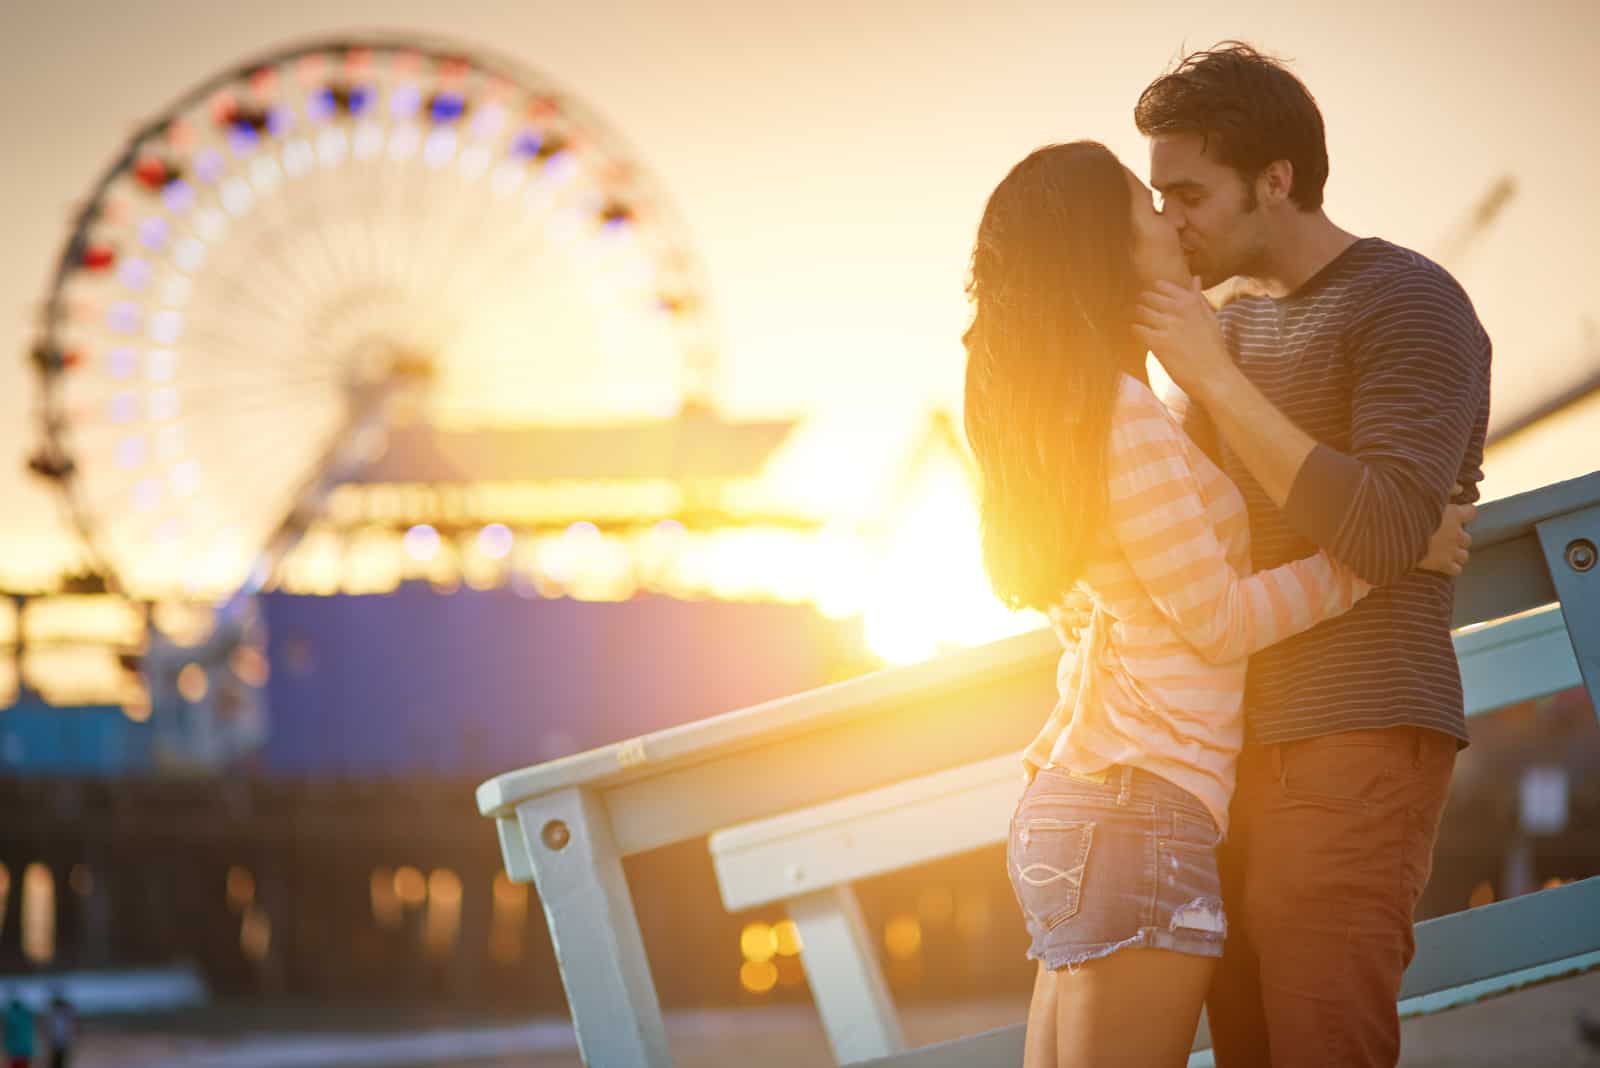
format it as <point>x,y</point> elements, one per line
<point>1391,276</point>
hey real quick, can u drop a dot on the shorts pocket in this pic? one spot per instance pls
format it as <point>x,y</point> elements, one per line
<point>1048,859</point>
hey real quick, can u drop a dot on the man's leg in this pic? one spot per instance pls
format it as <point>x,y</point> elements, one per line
<point>1342,847</point>
<point>1233,1006</point>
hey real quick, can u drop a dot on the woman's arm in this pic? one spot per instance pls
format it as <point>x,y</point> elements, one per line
<point>1159,520</point>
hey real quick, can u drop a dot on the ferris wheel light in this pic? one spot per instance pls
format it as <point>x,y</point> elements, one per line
<point>264,81</point>
<point>178,196</point>
<point>161,365</point>
<point>190,254</point>
<point>404,142</point>
<point>121,361</point>
<point>507,176</point>
<point>224,106</point>
<point>309,68</point>
<point>368,140</point>
<point>130,452</point>
<point>404,101</point>
<point>237,196</point>
<point>186,478</point>
<point>177,289</point>
<point>332,146</point>
<point>147,494</point>
<point>122,408</point>
<point>447,107</point>
<point>164,405</point>
<point>560,168</point>
<point>180,134</point>
<point>135,273</point>
<point>151,172</point>
<point>280,120</point>
<point>297,158</point>
<point>99,257</point>
<point>209,164</point>
<point>322,106</point>
<point>266,174</point>
<point>489,120</point>
<point>153,233</point>
<point>166,326</point>
<point>441,145</point>
<point>242,138</point>
<point>474,161</point>
<point>123,317</point>
<point>169,443</point>
<point>527,144</point>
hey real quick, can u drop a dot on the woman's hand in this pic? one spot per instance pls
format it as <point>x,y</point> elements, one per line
<point>1071,616</point>
<point>1447,549</point>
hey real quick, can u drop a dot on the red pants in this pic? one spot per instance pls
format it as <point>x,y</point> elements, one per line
<point>1330,846</point>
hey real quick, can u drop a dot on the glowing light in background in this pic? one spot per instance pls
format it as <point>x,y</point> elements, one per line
<point>443,922</point>
<point>410,888</point>
<point>38,913</point>
<point>387,909</point>
<point>495,541</point>
<point>255,934</point>
<point>510,917</point>
<point>241,886</point>
<point>422,542</point>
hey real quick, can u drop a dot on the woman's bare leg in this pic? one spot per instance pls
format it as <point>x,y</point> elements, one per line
<point>1136,1007</point>
<point>1040,1049</point>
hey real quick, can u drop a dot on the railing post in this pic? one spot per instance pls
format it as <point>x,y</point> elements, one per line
<point>578,873</point>
<point>852,998</point>
<point>1571,545</point>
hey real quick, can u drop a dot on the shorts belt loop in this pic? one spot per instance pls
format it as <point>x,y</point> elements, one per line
<point>1125,793</point>
<point>1277,762</point>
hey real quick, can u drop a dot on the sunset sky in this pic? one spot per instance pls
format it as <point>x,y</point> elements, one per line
<point>831,159</point>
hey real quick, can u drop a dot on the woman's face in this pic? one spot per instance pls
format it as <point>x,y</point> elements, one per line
<point>1157,255</point>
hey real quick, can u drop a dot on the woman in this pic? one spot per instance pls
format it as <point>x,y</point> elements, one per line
<point>1088,483</point>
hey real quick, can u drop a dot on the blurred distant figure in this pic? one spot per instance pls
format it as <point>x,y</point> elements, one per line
<point>63,1028</point>
<point>19,1033</point>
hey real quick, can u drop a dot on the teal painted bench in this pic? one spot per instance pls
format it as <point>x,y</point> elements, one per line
<point>769,785</point>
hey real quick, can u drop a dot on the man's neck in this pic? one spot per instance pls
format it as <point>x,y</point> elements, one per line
<point>1307,242</point>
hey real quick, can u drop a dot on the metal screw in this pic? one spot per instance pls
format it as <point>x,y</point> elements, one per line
<point>555,835</point>
<point>1581,554</point>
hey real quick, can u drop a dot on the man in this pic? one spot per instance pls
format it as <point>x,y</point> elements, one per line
<point>1349,402</point>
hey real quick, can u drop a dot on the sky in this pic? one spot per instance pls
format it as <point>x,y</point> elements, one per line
<point>831,160</point>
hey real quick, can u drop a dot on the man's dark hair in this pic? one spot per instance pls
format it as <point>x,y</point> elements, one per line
<point>1249,107</point>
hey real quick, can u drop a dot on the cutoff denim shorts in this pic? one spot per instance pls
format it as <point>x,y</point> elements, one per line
<point>1101,865</point>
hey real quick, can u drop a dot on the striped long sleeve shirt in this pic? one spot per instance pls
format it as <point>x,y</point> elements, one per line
<point>1380,358</point>
<point>1158,679</point>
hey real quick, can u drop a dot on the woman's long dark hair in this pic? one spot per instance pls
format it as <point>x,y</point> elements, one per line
<point>1053,289</point>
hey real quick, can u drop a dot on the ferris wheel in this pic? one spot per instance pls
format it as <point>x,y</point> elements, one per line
<point>321,241</point>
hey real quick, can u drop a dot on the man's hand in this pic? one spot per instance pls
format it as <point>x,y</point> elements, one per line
<point>1070,616</point>
<point>1180,327</point>
<point>1447,549</point>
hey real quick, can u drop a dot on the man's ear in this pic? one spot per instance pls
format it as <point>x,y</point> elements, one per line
<point>1275,182</point>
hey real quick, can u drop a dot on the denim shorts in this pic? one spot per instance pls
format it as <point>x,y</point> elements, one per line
<point>1130,861</point>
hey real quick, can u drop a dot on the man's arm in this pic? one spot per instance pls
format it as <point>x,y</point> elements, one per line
<point>1422,373</point>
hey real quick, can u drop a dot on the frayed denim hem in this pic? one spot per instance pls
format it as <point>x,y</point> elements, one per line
<point>1194,943</point>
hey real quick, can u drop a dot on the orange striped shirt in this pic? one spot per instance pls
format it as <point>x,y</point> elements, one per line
<point>1157,679</point>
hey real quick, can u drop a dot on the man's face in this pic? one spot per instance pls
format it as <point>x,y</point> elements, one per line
<point>1220,225</point>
